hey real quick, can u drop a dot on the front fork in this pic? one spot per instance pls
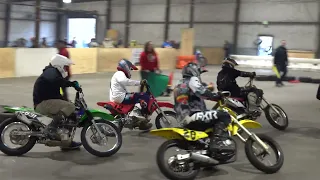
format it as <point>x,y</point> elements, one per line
<point>159,111</point>
<point>268,104</point>
<point>251,135</point>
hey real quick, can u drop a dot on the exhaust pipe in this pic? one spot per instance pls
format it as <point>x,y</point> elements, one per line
<point>23,118</point>
<point>203,158</point>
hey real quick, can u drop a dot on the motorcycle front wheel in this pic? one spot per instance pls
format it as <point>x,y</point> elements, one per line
<point>17,145</point>
<point>171,167</point>
<point>109,130</point>
<point>275,119</point>
<point>256,156</point>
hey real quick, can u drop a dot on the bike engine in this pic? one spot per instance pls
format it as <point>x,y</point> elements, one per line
<point>63,134</point>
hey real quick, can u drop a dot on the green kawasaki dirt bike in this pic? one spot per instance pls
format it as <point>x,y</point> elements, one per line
<point>25,128</point>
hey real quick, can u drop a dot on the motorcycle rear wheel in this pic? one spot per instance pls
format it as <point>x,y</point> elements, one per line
<point>163,165</point>
<point>252,157</point>
<point>15,151</point>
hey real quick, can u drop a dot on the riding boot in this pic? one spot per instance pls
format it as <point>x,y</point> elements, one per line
<point>51,129</point>
<point>218,139</point>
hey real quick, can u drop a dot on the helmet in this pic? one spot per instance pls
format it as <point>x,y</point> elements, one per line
<point>126,66</point>
<point>228,62</point>
<point>61,63</point>
<point>192,69</point>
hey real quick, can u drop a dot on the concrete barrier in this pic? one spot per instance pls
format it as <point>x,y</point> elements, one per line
<point>7,62</point>
<point>267,61</point>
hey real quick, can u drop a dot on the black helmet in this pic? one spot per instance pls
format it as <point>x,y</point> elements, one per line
<point>228,62</point>
<point>192,69</point>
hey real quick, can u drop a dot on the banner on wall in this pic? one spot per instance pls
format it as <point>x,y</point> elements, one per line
<point>136,55</point>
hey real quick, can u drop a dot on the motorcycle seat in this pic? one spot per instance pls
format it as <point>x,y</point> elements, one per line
<point>119,108</point>
<point>239,99</point>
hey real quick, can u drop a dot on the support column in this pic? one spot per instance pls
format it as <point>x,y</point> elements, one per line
<point>236,26</point>
<point>109,12</point>
<point>191,21</point>
<point>167,20</point>
<point>127,24</point>
<point>59,20</point>
<point>37,23</point>
<point>318,40</point>
<point>7,23</point>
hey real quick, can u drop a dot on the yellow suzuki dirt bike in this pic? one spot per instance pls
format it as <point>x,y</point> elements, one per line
<point>186,166</point>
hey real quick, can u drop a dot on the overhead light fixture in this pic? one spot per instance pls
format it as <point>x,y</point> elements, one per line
<point>67,1</point>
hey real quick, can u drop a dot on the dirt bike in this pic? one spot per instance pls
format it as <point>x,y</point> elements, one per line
<point>121,112</point>
<point>27,129</point>
<point>196,144</point>
<point>274,113</point>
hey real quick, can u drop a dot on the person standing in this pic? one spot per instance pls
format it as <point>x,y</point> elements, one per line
<point>148,61</point>
<point>281,62</point>
<point>62,48</point>
<point>226,48</point>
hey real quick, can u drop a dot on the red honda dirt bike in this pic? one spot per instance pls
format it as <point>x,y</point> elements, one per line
<point>121,112</point>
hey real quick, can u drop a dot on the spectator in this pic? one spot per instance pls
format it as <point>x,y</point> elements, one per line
<point>281,62</point>
<point>167,44</point>
<point>73,42</point>
<point>148,61</point>
<point>93,43</point>
<point>62,50</point>
<point>33,42</point>
<point>44,42</point>
<point>227,49</point>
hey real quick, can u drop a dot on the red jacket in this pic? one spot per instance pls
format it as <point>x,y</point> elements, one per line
<point>64,52</point>
<point>149,61</point>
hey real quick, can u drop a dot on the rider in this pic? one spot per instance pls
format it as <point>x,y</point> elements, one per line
<point>226,81</point>
<point>190,107</point>
<point>119,93</point>
<point>47,98</point>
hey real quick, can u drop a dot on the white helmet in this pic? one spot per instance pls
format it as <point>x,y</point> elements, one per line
<point>59,62</point>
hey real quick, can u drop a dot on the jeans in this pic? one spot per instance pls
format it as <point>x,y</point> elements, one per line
<point>133,98</point>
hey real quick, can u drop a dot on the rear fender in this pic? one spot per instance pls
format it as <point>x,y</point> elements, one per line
<point>166,104</point>
<point>99,114</point>
<point>249,124</point>
<point>179,133</point>
<point>12,109</point>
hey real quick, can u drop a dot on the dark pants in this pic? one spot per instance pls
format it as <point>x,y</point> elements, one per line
<point>200,124</point>
<point>283,72</point>
<point>318,93</point>
<point>133,98</point>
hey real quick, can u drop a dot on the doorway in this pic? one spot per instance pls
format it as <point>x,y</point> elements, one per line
<point>265,45</point>
<point>82,30</point>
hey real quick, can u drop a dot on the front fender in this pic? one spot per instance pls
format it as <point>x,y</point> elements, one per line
<point>166,104</point>
<point>179,133</point>
<point>98,113</point>
<point>249,124</point>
